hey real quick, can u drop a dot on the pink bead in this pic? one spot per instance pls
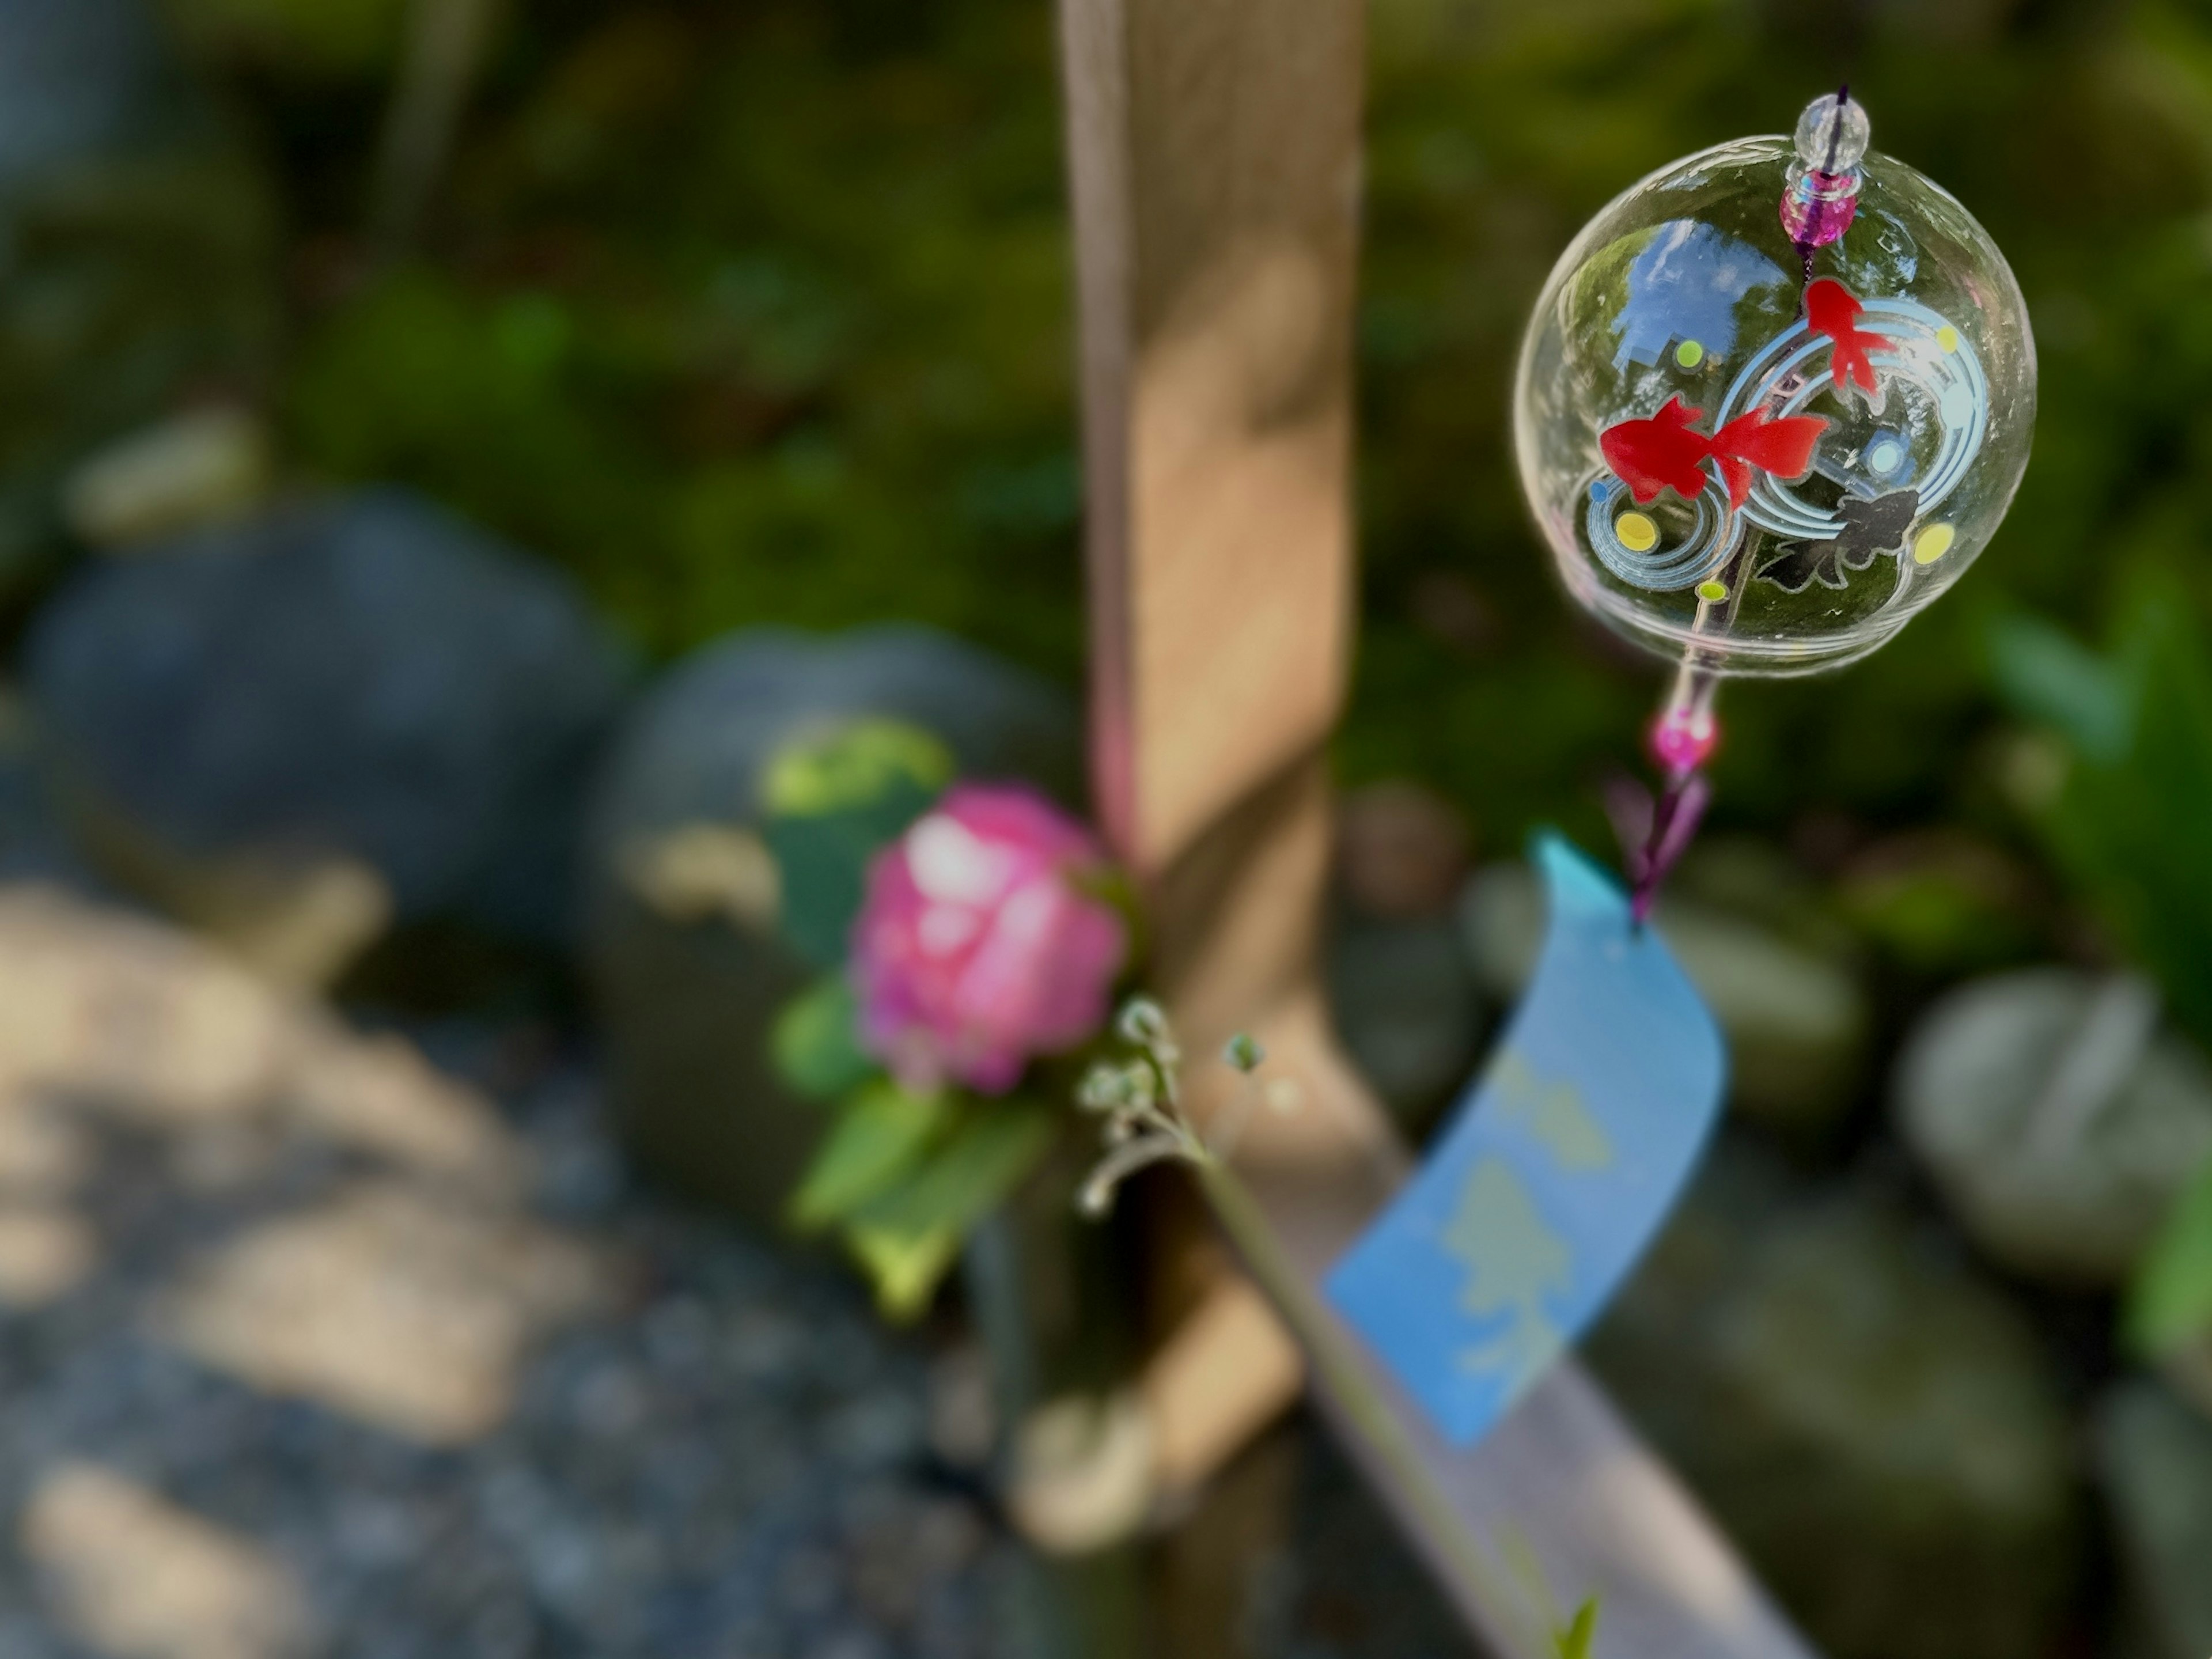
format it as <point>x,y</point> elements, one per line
<point>1819,208</point>
<point>1683,740</point>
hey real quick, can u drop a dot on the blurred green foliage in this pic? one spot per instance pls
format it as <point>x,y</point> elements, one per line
<point>815,1043</point>
<point>2125,807</point>
<point>762,312</point>
<point>743,314</point>
<point>2169,1309</point>
<point>1941,906</point>
<point>1574,1642</point>
<point>309,38</point>
<point>881,1131</point>
<point>2124,804</point>
<point>138,272</point>
<point>908,1235</point>
<point>860,764</point>
<point>835,799</point>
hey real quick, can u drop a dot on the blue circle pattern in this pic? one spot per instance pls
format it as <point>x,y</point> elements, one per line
<point>1664,569</point>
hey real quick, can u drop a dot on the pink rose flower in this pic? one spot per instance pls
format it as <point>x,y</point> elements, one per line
<point>973,952</point>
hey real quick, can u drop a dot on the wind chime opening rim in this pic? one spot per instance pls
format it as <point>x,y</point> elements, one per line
<point>1748,658</point>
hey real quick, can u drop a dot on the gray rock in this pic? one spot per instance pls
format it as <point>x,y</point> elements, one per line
<point>365,680</point>
<point>686,991</point>
<point>1872,1423</point>
<point>2060,1138</point>
<point>2155,1461</point>
<point>76,75</point>
<point>1407,1009</point>
<point>1794,1015</point>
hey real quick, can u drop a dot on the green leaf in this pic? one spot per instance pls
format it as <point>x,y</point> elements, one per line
<point>904,1267</point>
<point>2048,677</point>
<point>2127,822</point>
<point>823,865</point>
<point>2170,1302</point>
<point>295,37</point>
<point>857,764</point>
<point>906,1235</point>
<point>835,798</point>
<point>2129,831</point>
<point>881,1131</point>
<point>815,1043</point>
<point>1574,1642</point>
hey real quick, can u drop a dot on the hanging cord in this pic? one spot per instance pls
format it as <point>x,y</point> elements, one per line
<point>1681,739</point>
<point>1655,834</point>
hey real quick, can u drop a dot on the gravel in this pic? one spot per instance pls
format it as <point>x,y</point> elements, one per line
<point>727,1458</point>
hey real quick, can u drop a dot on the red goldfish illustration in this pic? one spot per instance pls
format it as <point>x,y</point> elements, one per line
<point>1664,453</point>
<point>1830,309</point>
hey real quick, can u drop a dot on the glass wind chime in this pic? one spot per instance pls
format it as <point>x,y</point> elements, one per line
<point>1774,400</point>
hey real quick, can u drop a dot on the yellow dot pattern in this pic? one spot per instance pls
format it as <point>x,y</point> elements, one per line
<point>1637,532</point>
<point>1690,352</point>
<point>1933,543</point>
<point>1948,337</point>
<point>1712,592</point>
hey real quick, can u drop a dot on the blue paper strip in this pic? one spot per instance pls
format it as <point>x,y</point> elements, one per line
<point>1560,1165</point>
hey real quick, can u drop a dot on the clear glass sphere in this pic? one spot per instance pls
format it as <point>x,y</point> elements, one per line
<point>1767,413</point>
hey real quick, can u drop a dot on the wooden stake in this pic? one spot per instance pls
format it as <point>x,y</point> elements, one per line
<point>1214,161</point>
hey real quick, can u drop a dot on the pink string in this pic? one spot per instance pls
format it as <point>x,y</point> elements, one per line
<point>1655,835</point>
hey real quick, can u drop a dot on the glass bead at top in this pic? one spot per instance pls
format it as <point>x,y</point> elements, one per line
<point>1774,400</point>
